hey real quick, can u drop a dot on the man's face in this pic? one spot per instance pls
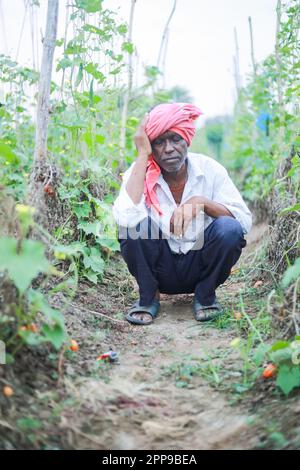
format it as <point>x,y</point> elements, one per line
<point>169,151</point>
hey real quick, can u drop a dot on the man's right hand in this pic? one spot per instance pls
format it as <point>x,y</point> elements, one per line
<point>141,139</point>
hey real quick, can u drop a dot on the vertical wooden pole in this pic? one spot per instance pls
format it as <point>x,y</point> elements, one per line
<point>129,84</point>
<point>165,33</point>
<point>277,54</point>
<point>40,152</point>
<point>237,63</point>
<point>252,45</point>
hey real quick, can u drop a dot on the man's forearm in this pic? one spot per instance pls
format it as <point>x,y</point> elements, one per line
<point>214,209</point>
<point>135,183</point>
<point>211,208</point>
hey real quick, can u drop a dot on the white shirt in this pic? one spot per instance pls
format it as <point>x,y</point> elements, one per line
<point>206,177</point>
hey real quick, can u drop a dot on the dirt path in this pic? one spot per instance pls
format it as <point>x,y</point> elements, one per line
<point>178,384</point>
<point>166,390</point>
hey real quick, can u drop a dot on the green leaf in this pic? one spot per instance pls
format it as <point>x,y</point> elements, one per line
<point>291,274</point>
<point>55,334</point>
<point>31,338</point>
<point>116,70</point>
<point>151,71</point>
<point>69,250</point>
<point>63,64</point>
<point>94,228</point>
<point>25,265</point>
<point>128,47</point>
<point>92,70</point>
<point>90,6</point>
<point>260,353</point>
<point>281,355</point>
<point>104,34</point>
<point>100,139</point>
<point>27,423</point>
<point>89,139</point>
<point>122,29</point>
<point>74,49</point>
<point>7,154</point>
<point>82,210</point>
<point>94,261</point>
<point>278,439</point>
<point>91,276</point>
<point>53,330</point>
<point>294,208</point>
<point>110,243</point>
<point>288,378</point>
<point>280,345</point>
<point>52,315</point>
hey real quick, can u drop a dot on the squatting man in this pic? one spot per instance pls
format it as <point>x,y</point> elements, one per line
<point>181,219</point>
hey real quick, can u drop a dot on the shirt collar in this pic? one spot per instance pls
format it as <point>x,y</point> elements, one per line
<point>195,165</point>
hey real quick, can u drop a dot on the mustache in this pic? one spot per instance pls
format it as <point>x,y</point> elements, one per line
<point>171,157</point>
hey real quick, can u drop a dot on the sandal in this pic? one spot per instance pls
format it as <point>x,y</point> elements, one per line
<point>201,315</point>
<point>137,308</point>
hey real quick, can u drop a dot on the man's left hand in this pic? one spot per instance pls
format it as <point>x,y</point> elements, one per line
<point>183,215</point>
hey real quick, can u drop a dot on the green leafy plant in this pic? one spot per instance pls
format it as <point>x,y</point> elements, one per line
<point>286,357</point>
<point>291,274</point>
<point>22,260</point>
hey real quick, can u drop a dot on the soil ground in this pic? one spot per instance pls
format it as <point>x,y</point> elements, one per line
<point>177,384</point>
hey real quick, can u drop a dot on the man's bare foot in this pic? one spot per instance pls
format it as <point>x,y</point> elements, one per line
<point>143,316</point>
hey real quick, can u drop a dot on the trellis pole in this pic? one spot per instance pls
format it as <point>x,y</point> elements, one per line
<point>129,84</point>
<point>42,117</point>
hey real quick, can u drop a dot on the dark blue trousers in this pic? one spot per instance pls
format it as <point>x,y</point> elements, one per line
<point>155,266</point>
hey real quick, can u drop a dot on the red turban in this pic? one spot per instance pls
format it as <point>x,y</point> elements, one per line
<point>175,117</point>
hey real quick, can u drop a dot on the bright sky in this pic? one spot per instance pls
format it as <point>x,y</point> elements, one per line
<point>201,42</point>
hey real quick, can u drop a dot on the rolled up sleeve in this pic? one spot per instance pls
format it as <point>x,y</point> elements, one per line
<point>226,193</point>
<point>126,213</point>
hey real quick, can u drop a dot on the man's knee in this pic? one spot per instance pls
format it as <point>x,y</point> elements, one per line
<point>229,230</point>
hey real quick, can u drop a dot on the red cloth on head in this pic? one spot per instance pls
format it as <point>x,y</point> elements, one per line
<point>175,117</point>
